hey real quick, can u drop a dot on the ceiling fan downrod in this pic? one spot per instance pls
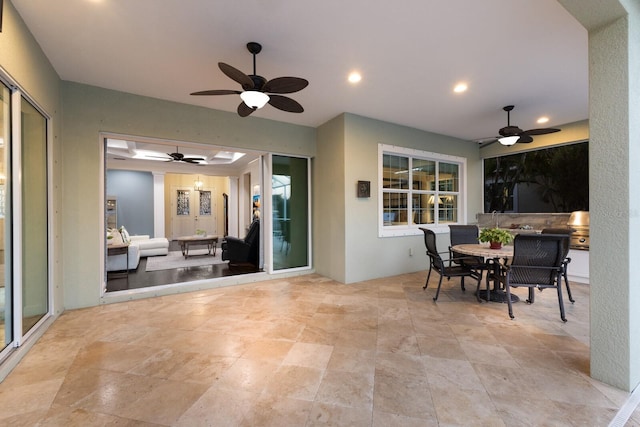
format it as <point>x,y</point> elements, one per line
<point>508,109</point>
<point>254,48</point>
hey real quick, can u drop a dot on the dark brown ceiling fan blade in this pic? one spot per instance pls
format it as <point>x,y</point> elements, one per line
<point>179,157</point>
<point>285,85</point>
<point>217,92</point>
<point>285,104</point>
<point>487,142</point>
<point>244,110</point>
<point>524,139</point>
<point>541,131</point>
<point>236,75</point>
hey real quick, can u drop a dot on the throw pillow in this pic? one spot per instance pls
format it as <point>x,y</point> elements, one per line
<point>125,235</point>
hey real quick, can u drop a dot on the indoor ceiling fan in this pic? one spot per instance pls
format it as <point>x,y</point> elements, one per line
<point>179,157</point>
<point>509,135</point>
<point>257,91</point>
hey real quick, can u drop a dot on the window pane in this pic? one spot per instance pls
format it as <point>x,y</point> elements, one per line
<point>205,203</point>
<point>432,195</point>
<point>394,208</point>
<point>423,209</point>
<point>448,177</point>
<point>35,288</point>
<point>424,175</point>
<point>183,206</point>
<point>395,171</point>
<point>6,290</point>
<point>448,209</point>
<point>290,197</point>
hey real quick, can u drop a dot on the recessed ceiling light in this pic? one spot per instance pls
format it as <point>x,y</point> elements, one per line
<point>543,119</point>
<point>460,87</point>
<point>355,77</point>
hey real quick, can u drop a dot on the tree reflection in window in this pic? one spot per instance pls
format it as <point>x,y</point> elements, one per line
<point>549,180</point>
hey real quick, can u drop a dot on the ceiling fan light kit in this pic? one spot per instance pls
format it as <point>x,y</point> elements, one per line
<point>258,91</point>
<point>254,99</point>
<point>508,140</point>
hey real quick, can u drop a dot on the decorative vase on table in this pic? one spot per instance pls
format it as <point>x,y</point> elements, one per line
<point>495,245</point>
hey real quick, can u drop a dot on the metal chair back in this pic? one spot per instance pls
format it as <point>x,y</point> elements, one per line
<point>537,263</point>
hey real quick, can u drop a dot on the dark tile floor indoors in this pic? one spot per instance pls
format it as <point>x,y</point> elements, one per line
<point>140,278</point>
<point>309,351</point>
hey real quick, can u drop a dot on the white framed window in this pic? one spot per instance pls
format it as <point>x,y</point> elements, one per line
<point>419,189</point>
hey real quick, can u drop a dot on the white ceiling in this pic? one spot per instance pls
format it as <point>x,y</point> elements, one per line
<point>147,154</point>
<point>530,53</point>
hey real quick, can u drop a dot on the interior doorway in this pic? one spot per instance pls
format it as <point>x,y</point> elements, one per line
<point>181,197</point>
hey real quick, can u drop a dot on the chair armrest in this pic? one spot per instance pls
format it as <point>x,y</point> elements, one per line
<point>234,241</point>
<point>234,249</point>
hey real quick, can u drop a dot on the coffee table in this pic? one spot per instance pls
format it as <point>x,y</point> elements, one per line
<point>210,241</point>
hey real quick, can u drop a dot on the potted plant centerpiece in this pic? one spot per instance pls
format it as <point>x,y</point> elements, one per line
<point>496,237</point>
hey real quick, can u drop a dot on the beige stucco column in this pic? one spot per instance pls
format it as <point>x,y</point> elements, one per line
<point>614,186</point>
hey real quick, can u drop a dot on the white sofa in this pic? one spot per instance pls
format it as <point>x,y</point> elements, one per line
<point>150,246</point>
<point>118,262</point>
<point>139,246</point>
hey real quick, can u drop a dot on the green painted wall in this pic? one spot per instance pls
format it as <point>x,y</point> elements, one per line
<point>90,110</point>
<point>614,186</point>
<point>348,248</point>
<point>22,59</point>
<point>329,201</point>
<point>391,254</point>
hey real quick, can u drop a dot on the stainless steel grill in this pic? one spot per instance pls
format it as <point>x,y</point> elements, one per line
<point>579,222</point>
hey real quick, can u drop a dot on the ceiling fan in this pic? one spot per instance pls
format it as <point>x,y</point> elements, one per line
<point>257,91</point>
<point>179,157</point>
<point>509,135</point>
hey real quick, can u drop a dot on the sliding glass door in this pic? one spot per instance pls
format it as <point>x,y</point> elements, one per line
<point>6,306</point>
<point>35,266</point>
<point>290,206</point>
<point>24,218</point>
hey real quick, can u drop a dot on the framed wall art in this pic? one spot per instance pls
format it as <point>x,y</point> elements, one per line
<point>364,188</point>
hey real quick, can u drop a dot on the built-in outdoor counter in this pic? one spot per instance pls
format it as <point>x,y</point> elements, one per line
<point>535,221</point>
<point>578,269</point>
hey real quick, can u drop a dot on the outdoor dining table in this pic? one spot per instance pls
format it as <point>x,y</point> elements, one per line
<point>496,256</point>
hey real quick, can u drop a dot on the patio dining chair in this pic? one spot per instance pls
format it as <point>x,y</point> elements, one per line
<point>537,263</point>
<point>445,267</point>
<point>565,249</point>
<point>465,234</point>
